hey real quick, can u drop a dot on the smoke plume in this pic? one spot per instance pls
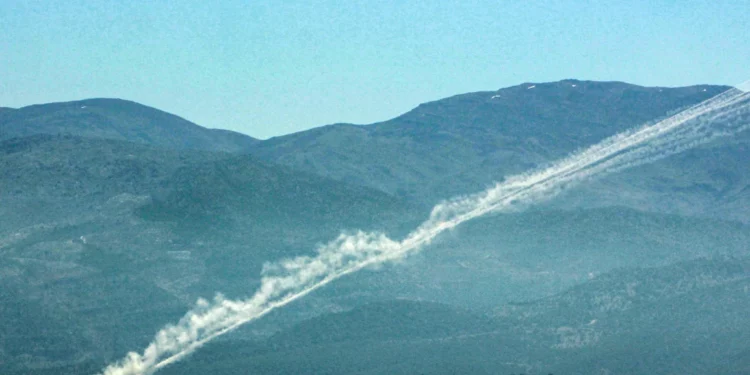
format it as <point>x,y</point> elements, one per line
<point>290,279</point>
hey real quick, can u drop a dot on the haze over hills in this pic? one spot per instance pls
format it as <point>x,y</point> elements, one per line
<point>685,318</point>
<point>455,145</point>
<point>530,255</point>
<point>466,142</point>
<point>710,180</point>
<point>115,217</point>
<point>462,143</point>
<point>95,230</point>
<point>121,120</point>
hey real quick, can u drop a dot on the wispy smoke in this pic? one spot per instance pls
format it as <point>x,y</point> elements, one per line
<point>287,280</point>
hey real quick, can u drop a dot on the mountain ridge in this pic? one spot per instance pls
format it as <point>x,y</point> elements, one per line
<point>118,119</point>
<point>466,142</point>
<point>406,337</point>
<point>108,233</point>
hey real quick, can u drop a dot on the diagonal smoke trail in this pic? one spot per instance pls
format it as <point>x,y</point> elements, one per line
<point>291,279</point>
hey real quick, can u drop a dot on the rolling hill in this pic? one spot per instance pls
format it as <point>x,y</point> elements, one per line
<point>115,217</point>
<point>462,143</point>
<point>682,318</point>
<point>119,120</point>
<point>102,241</point>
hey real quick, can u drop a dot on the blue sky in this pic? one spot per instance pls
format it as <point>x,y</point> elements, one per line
<point>267,68</point>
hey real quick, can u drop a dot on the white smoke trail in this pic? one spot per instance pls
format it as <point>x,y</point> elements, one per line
<point>291,279</point>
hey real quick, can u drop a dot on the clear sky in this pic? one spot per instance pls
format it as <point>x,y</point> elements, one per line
<point>267,68</point>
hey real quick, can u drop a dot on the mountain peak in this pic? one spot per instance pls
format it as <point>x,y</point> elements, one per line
<point>604,85</point>
<point>517,106</point>
<point>499,133</point>
<point>119,119</point>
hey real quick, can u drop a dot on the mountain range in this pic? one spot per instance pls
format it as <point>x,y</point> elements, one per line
<point>115,217</point>
<point>463,143</point>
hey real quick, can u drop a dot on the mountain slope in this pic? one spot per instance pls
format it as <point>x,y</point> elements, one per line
<point>120,120</point>
<point>93,228</point>
<point>104,241</point>
<point>459,144</point>
<point>684,318</point>
<point>710,180</point>
<point>696,325</point>
<point>514,257</point>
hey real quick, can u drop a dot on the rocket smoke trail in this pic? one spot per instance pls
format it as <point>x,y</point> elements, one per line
<point>289,279</point>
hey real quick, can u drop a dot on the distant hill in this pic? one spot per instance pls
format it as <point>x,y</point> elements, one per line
<point>120,120</point>
<point>413,320</point>
<point>115,217</point>
<point>683,318</point>
<point>43,172</point>
<point>514,257</point>
<point>388,337</point>
<point>456,145</point>
<point>102,241</point>
<point>710,180</point>
<point>462,143</point>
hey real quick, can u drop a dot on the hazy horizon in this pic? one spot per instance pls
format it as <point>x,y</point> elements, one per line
<point>314,126</point>
<point>269,69</point>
